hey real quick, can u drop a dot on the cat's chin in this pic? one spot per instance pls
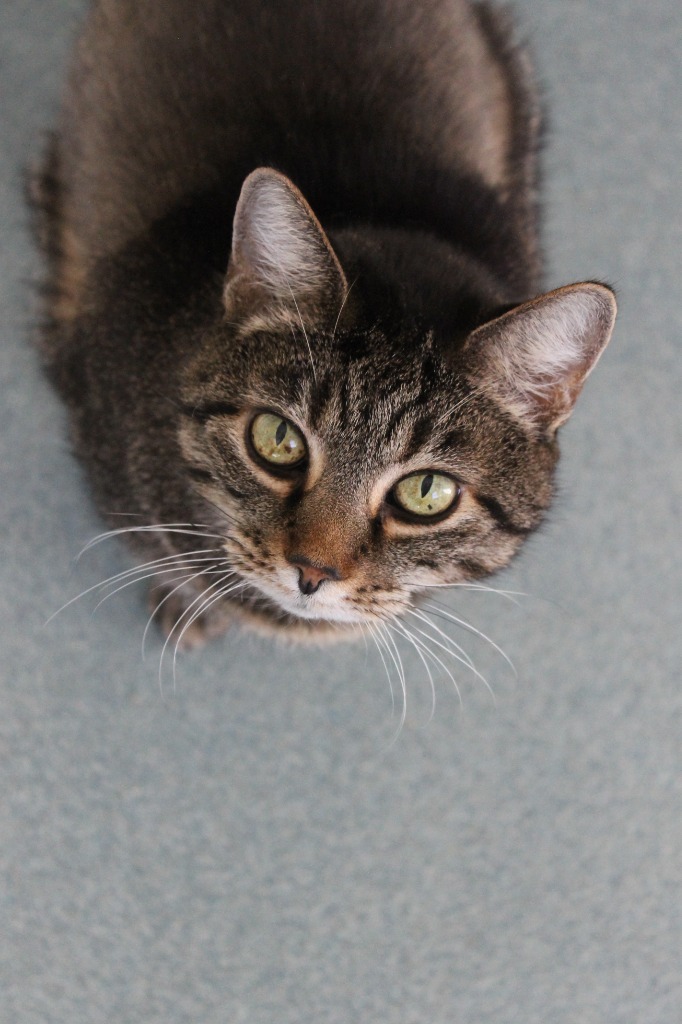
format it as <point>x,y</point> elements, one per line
<point>272,621</point>
<point>267,617</point>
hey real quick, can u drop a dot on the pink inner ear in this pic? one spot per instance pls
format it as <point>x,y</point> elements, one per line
<point>535,359</point>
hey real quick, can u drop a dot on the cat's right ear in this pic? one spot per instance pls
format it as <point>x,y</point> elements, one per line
<point>535,359</point>
<point>281,261</point>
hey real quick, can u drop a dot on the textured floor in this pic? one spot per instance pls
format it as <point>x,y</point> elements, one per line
<point>247,845</point>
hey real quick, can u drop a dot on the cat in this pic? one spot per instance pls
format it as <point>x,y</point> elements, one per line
<point>294,303</point>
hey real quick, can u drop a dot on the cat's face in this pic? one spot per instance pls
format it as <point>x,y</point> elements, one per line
<point>347,490</point>
<point>355,467</point>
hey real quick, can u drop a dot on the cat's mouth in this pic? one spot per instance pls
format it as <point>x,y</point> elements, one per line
<point>323,606</point>
<point>264,610</point>
<point>279,599</point>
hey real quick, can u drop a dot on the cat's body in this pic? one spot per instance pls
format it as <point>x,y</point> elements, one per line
<point>376,328</point>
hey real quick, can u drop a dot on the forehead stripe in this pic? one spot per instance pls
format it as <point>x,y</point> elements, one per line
<point>501,517</point>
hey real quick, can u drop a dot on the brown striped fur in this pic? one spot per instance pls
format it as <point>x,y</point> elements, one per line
<point>393,326</point>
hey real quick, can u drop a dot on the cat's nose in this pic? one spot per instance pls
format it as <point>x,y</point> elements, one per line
<point>310,575</point>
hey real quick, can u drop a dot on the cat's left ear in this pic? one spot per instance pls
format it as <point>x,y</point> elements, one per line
<point>535,359</point>
<point>281,259</point>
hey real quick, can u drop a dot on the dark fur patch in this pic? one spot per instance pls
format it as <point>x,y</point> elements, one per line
<point>502,518</point>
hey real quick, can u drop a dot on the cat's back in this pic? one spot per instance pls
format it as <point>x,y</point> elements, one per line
<point>349,99</point>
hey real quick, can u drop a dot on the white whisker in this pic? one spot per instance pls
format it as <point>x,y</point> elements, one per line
<point>180,567</point>
<point>458,652</point>
<point>345,300</point>
<point>191,529</point>
<point>117,577</point>
<point>203,607</point>
<point>185,580</point>
<point>397,661</point>
<point>439,661</point>
<point>456,408</point>
<point>465,660</point>
<point>305,333</point>
<point>402,629</point>
<point>186,612</point>
<point>472,629</point>
<point>381,655</point>
<point>509,594</point>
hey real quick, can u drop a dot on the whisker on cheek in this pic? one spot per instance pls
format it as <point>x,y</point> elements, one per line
<point>180,567</point>
<point>134,573</point>
<point>453,649</point>
<point>188,529</point>
<point>394,654</point>
<point>187,612</point>
<point>440,611</point>
<point>509,594</point>
<point>202,610</point>
<point>402,630</point>
<point>181,582</point>
<point>373,633</point>
<point>458,652</point>
<point>434,658</point>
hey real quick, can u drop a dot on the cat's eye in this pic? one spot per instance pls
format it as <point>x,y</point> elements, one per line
<point>426,494</point>
<point>277,441</point>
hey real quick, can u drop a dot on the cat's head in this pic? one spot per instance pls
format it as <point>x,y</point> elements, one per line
<point>356,462</point>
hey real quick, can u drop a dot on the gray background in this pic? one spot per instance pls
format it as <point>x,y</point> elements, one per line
<point>248,845</point>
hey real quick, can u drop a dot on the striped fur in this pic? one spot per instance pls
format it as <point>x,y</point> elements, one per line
<point>329,212</point>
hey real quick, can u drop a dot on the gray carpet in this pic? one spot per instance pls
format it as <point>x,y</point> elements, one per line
<point>247,844</point>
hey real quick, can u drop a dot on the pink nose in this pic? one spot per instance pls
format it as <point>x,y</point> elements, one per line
<point>312,576</point>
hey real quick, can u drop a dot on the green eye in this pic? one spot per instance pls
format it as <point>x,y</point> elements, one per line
<point>277,441</point>
<point>426,494</point>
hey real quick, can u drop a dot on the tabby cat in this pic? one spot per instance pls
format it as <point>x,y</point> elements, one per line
<point>293,302</point>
